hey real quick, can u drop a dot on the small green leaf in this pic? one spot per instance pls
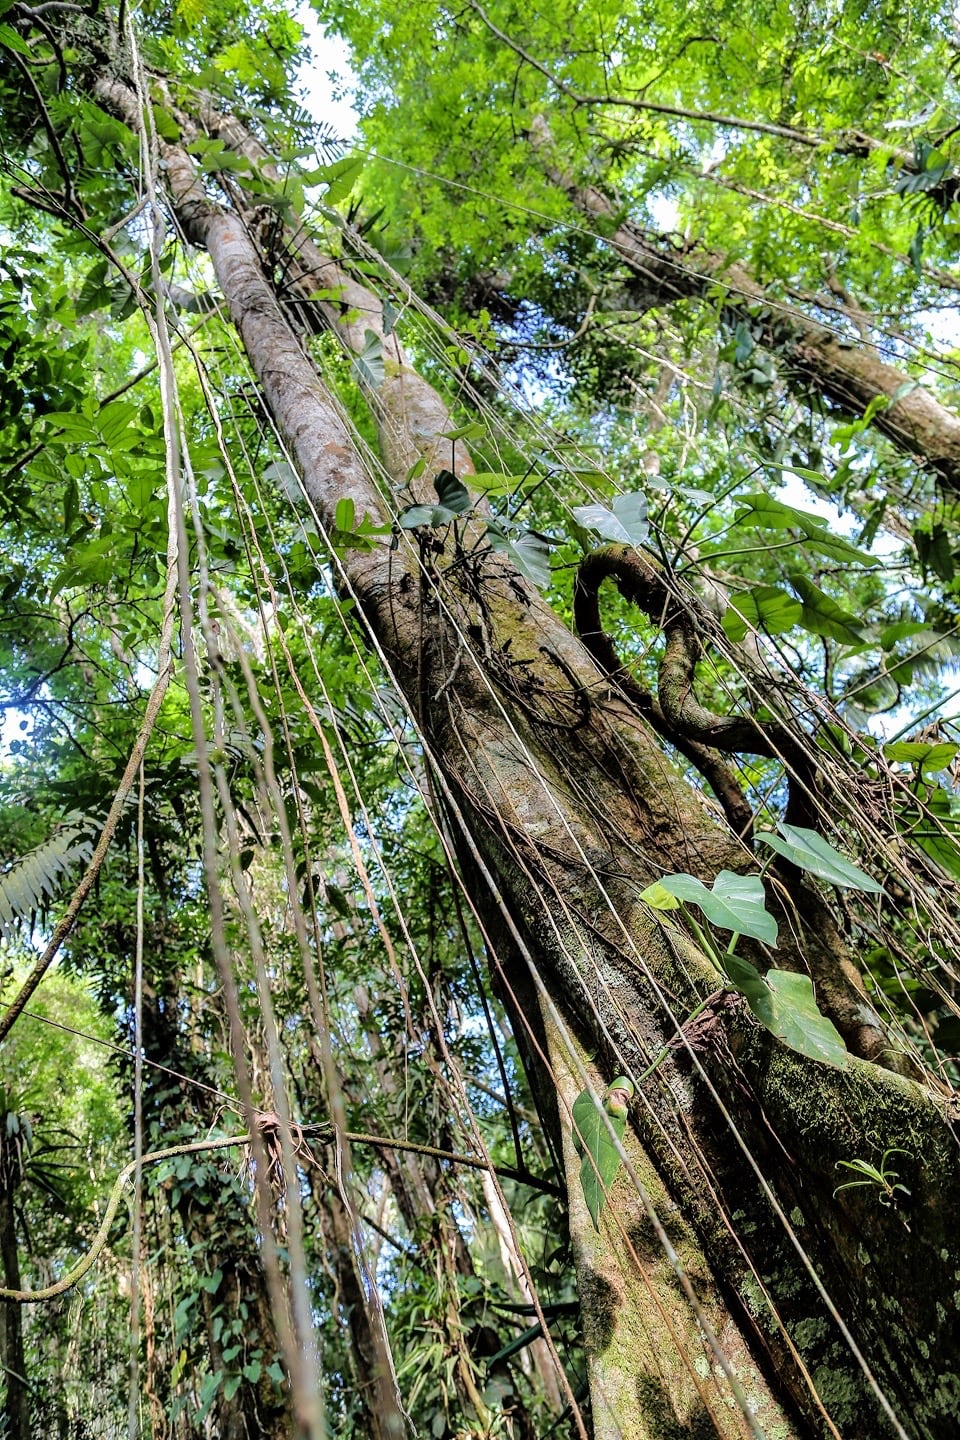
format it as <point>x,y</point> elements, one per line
<point>343,516</point>
<point>736,902</point>
<point>658,898</point>
<point>790,1012</point>
<point>766,608</point>
<point>413,515</point>
<point>473,431</point>
<point>808,850</point>
<point>451,492</point>
<point>601,1159</point>
<point>490,482</point>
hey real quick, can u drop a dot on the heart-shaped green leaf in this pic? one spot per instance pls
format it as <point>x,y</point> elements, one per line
<point>451,492</point>
<point>764,607</point>
<point>625,523</point>
<point>736,902</point>
<point>528,551</point>
<point>789,1010</point>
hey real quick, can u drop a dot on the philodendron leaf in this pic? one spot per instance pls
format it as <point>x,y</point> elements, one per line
<point>451,492</point>
<point>413,516</point>
<point>369,363</point>
<point>529,552</point>
<point>745,977</point>
<point>789,1010</point>
<point>625,522</point>
<point>823,616</point>
<point>736,902</point>
<point>808,850</point>
<point>593,1141</point>
<point>764,607</point>
<point>930,758</point>
<point>785,1004</point>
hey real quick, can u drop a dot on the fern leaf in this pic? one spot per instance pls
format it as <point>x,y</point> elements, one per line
<point>34,879</point>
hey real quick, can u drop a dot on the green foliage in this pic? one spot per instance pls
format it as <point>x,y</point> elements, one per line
<point>734,902</point>
<point>811,852</point>
<point>29,884</point>
<point>596,1130</point>
<point>668,425</point>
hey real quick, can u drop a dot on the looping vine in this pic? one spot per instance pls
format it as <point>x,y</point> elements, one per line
<point>675,712</point>
<point>269,1126</point>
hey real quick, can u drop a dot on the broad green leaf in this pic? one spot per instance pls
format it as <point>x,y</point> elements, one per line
<point>765,608</point>
<point>808,850</point>
<point>414,515</point>
<point>785,1004</point>
<point>74,427</point>
<point>823,616</point>
<point>473,431</point>
<point>814,477</point>
<point>166,127</point>
<point>10,39</point>
<point>744,976</point>
<point>529,552</point>
<point>763,512</point>
<point>935,549</point>
<point>891,635</point>
<point>343,516</point>
<point>490,482</point>
<point>930,758</point>
<point>736,902</point>
<point>625,522</point>
<point>631,512</point>
<point>369,363</point>
<point>592,1140</point>
<point>789,1011</point>
<point>341,177</point>
<point>451,492</point>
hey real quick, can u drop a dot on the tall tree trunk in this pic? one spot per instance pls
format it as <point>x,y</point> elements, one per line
<point>16,1409</point>
<point>570,804</point>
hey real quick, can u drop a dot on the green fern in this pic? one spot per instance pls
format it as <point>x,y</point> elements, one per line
<point>30,883</point>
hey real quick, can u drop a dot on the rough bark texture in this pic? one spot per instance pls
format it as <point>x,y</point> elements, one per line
<point>570,800</point>
<point>16,1408</point>
<point>652,1372</point>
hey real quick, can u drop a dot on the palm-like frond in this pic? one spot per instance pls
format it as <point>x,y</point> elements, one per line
<point>30,882</point>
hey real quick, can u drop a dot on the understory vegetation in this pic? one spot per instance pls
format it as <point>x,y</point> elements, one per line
<point>479,818</point>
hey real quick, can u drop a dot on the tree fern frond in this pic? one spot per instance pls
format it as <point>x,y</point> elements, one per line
<point>31,882</point>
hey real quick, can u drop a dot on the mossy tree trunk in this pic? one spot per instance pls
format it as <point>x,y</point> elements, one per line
<point>570,807</point>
